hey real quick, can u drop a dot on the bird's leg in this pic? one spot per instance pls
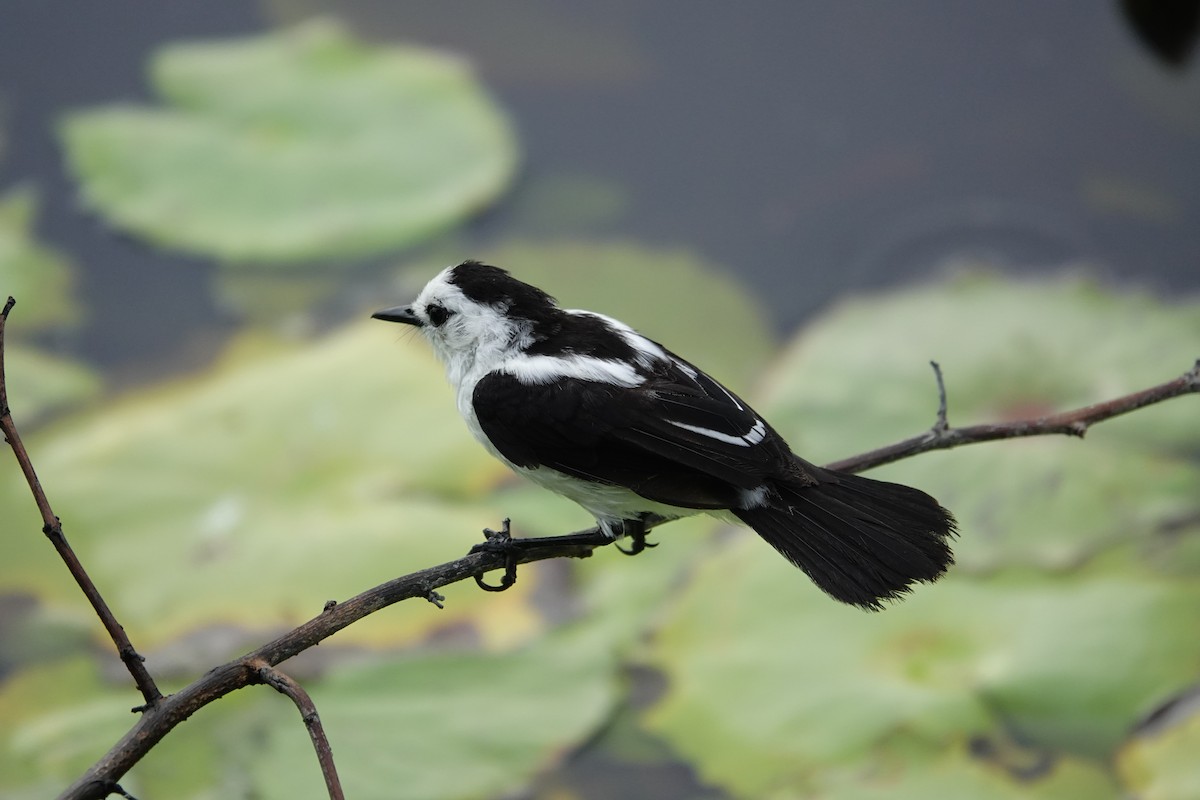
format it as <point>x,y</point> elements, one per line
<point>498,542</point>
<point>635,529</point>
<point>503,543</point>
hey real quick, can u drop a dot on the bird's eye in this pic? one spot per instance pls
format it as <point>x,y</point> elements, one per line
<point>437,314</point>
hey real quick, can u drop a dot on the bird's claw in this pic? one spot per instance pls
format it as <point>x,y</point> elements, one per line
<point>499,542</point>
<point>636,531</point>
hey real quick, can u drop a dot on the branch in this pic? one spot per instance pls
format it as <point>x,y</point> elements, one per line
<point>285,685</point>
<point>161,714</point>
<point>1068,423</point>
<point>52,527</point>
<point>157,722</point>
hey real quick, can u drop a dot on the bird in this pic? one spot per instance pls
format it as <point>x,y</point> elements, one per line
<point>587,407</point>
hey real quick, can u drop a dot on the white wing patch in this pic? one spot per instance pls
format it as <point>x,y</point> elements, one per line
<point>540,370</point>
<point>756,434</point>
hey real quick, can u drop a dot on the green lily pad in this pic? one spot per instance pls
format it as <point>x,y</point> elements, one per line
<point>450,725</point>
<point>40,278</point>
<point>771,683</point>
<point>768,680</point>
<point>57,720</point>
<point>859,377</point>
<point>60,718</point>
<point>42,384</point>
<point>295,146</point>
<point>857,380</point>
<point>901,774</point>
<point>1052,502</point>
<point>568,205</point>
<point>37,276</point>
<point>253,495</point>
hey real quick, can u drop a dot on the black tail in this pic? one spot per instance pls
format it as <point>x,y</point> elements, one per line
<point>861,541</point>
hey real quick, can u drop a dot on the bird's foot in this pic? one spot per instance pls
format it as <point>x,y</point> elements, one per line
<point>500,542</point>
<point>635,529</point>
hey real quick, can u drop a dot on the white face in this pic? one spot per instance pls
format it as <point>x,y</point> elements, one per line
<point>462,330</point>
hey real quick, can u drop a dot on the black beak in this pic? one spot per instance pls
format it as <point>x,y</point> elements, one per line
<point>398,314</point>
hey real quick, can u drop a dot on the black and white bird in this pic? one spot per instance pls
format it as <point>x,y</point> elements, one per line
<point>586,406</point>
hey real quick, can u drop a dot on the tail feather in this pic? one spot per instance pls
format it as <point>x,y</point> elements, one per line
<point>862,541</point>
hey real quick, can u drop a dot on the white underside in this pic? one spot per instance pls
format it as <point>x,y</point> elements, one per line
<point>608,504</point>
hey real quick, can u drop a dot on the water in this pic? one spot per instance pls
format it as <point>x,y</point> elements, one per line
<point>813,149</point>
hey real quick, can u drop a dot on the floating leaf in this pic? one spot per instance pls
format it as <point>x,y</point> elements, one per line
<point>1052,502</point>
<point>860,377</point>
<point>450,726</point>
<point>295,146</point>
<point>770,683</point>
<point>58,719</point>
<point>38,277</point>
<point>41,384</point>
<point>568,205</point>
<point>252,496</point>
<point>857,379</point>
<point>901,774</point>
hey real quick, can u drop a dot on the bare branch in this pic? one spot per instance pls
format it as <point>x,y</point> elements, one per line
<point>52,527</point>
<point>1067,423</point>
<point>157,722</point>
<point>285,685</point>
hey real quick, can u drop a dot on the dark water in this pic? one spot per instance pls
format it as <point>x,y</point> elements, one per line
<point>814,149</point>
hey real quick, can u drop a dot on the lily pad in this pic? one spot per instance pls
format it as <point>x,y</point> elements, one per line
<point>770,683</point>
<point>40,278</point>
<point>42,384</point>
<point>1054,503</point>
<point>57,720</point>
<point>859,377</point>
<point>300,145</point>
<point>60,718</point>
<point>901,774</point>
<point>451,725</point>
<point>253,495</point>
<point>37,276</point>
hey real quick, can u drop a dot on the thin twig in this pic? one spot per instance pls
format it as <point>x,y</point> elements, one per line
<point>1068,423</point>
<point>286,685</point>
<point>942,423</point>
<point>153,725</point>
<point>52,527</point>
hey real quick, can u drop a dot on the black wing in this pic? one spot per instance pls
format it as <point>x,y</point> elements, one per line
<point>680,438</point>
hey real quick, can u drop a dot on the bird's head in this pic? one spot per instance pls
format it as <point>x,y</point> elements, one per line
<point>472,309</point>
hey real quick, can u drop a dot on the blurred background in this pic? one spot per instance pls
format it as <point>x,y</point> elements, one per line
<point>201,202</point>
